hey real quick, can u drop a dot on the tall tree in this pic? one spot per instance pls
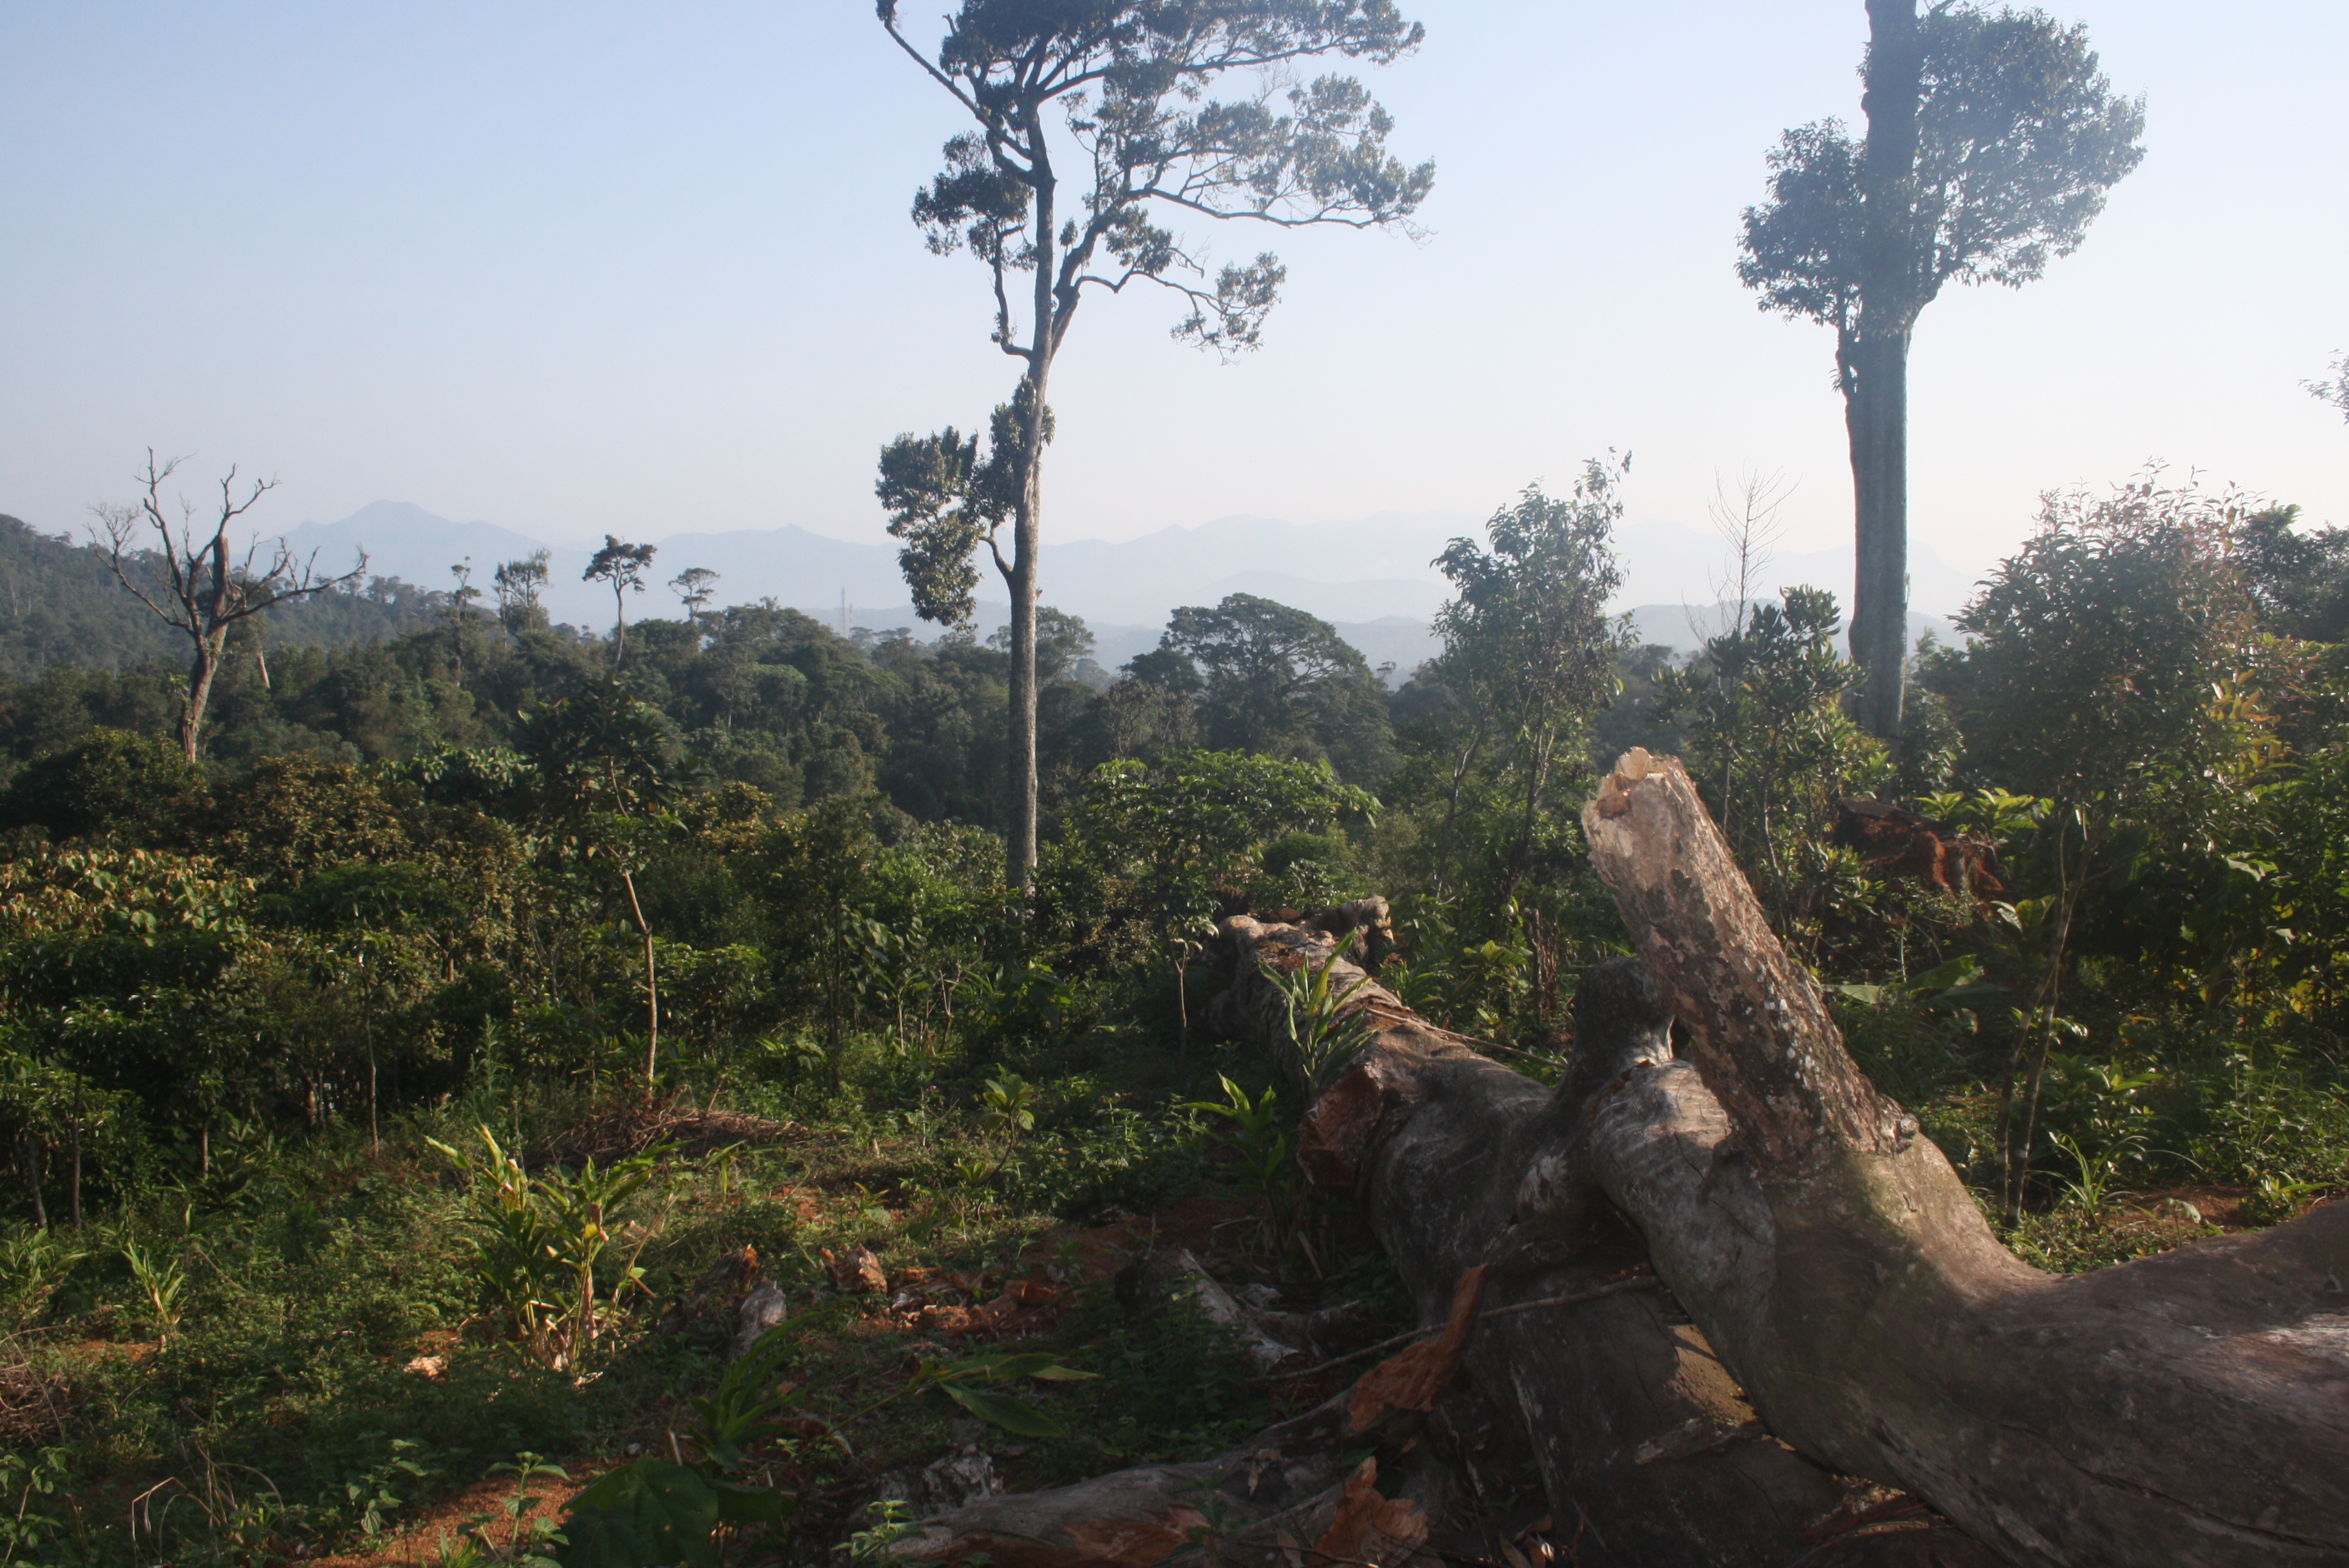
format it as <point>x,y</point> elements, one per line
<point>196,583</point>
<point>519,584</point>
<point>695,587</point>
<point>1127,82</point>
<point>1993,138</point>
<point>1274,679</point>
<point>623,565</point>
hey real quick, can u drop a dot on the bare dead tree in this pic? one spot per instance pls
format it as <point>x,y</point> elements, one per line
<point>1747,520</point>
<point>1746,517</point>
<point>195,582</point>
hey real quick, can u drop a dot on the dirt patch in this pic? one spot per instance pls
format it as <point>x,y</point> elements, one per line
<point>616,1131</point>
<point>417,1542</point>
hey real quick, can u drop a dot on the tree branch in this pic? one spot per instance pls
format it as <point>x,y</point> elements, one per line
<point>889,23</point>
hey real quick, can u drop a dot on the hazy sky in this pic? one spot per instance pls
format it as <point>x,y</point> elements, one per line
<point>647,268</point>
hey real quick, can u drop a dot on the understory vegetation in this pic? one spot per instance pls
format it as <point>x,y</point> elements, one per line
<point>400,1101</point>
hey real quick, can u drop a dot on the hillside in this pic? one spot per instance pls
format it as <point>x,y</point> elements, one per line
<point>60,605</point>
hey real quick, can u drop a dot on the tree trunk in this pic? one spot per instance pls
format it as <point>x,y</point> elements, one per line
<point>73,1183</point>
<point>1645,1442</point>
<point>1020,764</point>
<point>1048,322</point>
<point>200,672</point>
<point>2190,1409</point>
<point>1285,1493</point>
<point>1875,387</point>
<point>1876,418</point>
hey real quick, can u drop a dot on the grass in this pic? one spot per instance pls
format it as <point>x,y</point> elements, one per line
<point>336,1377</point>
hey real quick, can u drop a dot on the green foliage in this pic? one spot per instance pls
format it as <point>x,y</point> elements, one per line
<point>1173,1383</point>
<point>28,1480</point>
<point>1197,823</point>
<point>373,1495</point>
<point>538,1239</point>
<point>1255,1131</point>
<point>944,501</point>
<point>162,1286</point>
<point>1009,1112</point>
<point>528,1542</point>
<point>1324,1027</point>
<point>653,1512</point>
<point>1774,751</point>
<point>1529,653</point>
<point>1275,681</point>
<point>2094,650</point>
<point>1160,148</point>
<point>129,787</point>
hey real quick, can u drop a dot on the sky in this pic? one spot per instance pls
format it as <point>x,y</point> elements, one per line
<point>586,268</point>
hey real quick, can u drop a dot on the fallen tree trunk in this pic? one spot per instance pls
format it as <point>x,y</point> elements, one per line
<point>1650,1451</point>
<point>1824,1297</point>
<point>2190,1409</point>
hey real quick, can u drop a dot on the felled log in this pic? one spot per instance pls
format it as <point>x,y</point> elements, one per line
<point>1650,1452</point>
<point>1295,1492</point>
<point>1712,1287</point>
<point>2186,1408</point>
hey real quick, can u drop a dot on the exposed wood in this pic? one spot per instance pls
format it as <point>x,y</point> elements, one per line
<point>1289,1485</point>
<point>1460,1163</point>
<point>2188,1408</point>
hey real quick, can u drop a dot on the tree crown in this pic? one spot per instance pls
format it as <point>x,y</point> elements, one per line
<point>1128,81</point>
<point>2020,135</point>
<point>619,563</point>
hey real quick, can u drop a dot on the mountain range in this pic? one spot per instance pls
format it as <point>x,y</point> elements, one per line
<point>1371,577</point>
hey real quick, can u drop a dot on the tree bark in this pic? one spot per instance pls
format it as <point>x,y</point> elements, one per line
<point>1646,1445</point>
<point>1026,538</point>
<point>1287,1491</point>
<point>1875,419</point>
<point>1876,367</point>
<point>2191,1408</point>
<point>201,670</point>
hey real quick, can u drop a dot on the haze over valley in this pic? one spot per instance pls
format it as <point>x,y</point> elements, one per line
<point>1369,577</point>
